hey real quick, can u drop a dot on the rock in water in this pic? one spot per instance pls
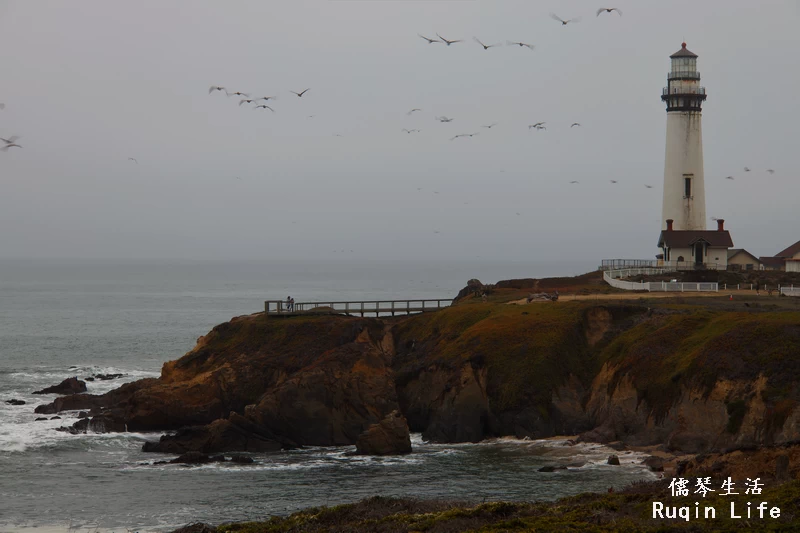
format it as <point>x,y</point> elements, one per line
<point>390,436</point>
<point>14,401</point>
<point>69,386</point>
<point>656,464</point>
<point>613,460</point>
<point>199,527</point>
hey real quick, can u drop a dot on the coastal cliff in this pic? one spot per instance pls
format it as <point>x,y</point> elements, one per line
<point>694,376</point>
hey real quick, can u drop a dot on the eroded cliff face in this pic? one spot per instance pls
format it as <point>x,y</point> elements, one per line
<point>693,381</point>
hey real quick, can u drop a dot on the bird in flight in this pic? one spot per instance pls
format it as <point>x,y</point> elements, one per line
<point>490,126</point>
<point>245,100</point>
<point>463,135</point>
<point>562,21</point>
<point>300,93</point>
<point>430,40</point>
<point>537,125</point>
<point>729,177</point>
<point>445,41</point>
<point>409,131</point>
<point>133,159</point>
<point>485,46</point>
<point>574,181</point>
<point>609,10</point>
<point>267,98</point>
<point>10,143</point>
<point>613,181</point>
<point>746,169</point>
<point>574,124</point>
<point>2,106</point>
<point>216,88</point>
<point>649,186</point>
<point>512,43</point>
<point>444,119</point>
<point>237,93</point>
<point>264,106</point>
<point>338,135</point>
<point>415,109</point>
<point>770,171</point>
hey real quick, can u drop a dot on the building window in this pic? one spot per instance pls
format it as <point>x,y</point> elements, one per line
<point>749,266</point>
<point>687,187</point>
<point>680,259</point>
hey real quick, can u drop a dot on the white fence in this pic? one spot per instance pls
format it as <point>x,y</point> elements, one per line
<point>790,291</point>
<point>611,277</point>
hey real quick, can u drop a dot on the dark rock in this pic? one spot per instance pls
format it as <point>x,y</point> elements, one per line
<point>474,287</point>
<point>83,414</point>
<point>782,467</point>
<point>193,458</point>
<point>39,419</point>
<point>551,468</point>
<point>97,424</point>
<point>241,459</point>
<point>106,377</point>
<point>199,527</point>
<point>69,386</point>
<point>681,466</point>
<point>613,460</point>
<point>390,436</point>
<point>55,418</point>
<point>235,434</point>
<point>656,464</point>
<point>617,446</point>
<point>718,467</point>
<point>15,402</point>
<point>89,379</point>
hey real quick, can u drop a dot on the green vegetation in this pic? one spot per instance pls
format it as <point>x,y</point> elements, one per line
<point>629,510</point>
<point>698,348</point>
<point>527,350</point>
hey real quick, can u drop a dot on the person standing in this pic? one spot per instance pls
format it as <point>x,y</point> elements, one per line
<point>288,303</point>
<point>292,304</point>
<point>757,288</point>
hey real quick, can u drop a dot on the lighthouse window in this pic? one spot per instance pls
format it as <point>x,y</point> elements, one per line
<point>687,187</point>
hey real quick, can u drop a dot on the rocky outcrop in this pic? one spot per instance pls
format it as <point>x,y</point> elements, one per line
<point>69,386</point>
<point>390,436</point>
<point>14,401</point>
<point>694,381</point>
<point>235,434</point>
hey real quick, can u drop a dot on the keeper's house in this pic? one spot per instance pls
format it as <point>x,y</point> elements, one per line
<point>696,248</point>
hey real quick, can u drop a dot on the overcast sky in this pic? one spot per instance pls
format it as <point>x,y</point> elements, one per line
<point>88,84</point>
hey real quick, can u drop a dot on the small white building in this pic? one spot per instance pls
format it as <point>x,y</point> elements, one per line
<point>788,259</point>
<point>696,248</point>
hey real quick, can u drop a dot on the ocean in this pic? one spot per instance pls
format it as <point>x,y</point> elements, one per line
<point>80,318</point>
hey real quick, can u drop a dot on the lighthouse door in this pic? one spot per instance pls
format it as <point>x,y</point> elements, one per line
<point>698,253</point>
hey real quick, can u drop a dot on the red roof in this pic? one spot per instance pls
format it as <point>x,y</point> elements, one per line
<point>790,251</point>
<point>774,262</point>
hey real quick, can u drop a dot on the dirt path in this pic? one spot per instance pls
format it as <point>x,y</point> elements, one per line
<point>565,297</point>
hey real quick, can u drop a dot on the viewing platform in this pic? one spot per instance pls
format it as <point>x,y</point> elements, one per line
<point>379,307</point>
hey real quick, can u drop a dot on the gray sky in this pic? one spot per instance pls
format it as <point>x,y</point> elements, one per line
<point>88,84</point>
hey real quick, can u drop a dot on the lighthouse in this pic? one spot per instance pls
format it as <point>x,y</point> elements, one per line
<point>684,201</point>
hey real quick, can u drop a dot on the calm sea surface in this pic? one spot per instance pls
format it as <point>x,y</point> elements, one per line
<point>66,318</point>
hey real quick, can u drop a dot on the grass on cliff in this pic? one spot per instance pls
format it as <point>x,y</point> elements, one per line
<point>700,347</point>
<point>528,350</point>
<point>630,510</point>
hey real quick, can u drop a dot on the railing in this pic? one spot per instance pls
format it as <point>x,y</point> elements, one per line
<point>281,307</point>
<point>611,277</point>
<point>683,90</point>
<point>790,291</point>
<point>677,74</point>
<point>614,264</point>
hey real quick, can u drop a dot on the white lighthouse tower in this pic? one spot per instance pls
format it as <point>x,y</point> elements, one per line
<point>684,190</point>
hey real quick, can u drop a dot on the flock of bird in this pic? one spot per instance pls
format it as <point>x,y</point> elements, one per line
<point>262,102</point>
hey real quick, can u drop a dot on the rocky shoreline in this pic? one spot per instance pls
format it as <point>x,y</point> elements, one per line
<point>674,376</point>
